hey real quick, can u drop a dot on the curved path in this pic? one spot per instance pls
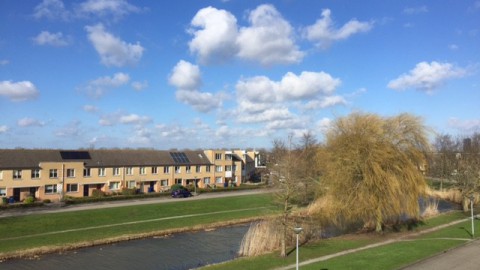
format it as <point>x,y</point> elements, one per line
<point>402,238</point>
<point>465,257</point>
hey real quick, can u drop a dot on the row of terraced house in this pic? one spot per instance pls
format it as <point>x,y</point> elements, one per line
<point>52,174</point>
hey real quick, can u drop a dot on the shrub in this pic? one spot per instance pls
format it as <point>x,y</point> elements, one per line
<point>176,187</point>
<point>98,193</point>
<point>129,191</point>
<point>29,200</point>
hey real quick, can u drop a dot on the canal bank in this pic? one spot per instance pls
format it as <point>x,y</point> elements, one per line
<point>22,236</point>
<point>179,251</point>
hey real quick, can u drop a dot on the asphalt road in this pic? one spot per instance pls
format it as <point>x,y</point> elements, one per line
<point>57,207</point>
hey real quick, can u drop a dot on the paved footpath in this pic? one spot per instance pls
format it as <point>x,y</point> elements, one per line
<point>466,257</point>
<point>58,208</point>
<point>465,266</point>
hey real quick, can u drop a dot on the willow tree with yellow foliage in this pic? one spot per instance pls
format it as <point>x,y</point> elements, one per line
<point>373,168</point>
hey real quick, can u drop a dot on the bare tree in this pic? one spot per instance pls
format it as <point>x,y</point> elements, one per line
<point>284,167</point>
<point>443,161</point>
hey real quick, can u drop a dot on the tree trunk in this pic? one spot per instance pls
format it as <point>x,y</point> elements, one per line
<point>283,249</point>
<point>379,222</point>
<point>466,204</point>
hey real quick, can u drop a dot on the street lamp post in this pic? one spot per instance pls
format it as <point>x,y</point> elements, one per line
<point>471,211</point>
<point>297,231</point>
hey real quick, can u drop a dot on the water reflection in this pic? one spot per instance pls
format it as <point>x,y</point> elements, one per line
<point>176,252</point>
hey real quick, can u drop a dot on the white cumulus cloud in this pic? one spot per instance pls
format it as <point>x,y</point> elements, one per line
<point>52,39</point>
<point>427,76</point>
<point>90,108</point>
<point>3,129</point>
<point>112,50</point>
<point>325,102</point>
<point>467,126</point>
<point>51,9</point>
<point>139,86</point>
<point>186,78</point>
<point>215,32</point>
<point>260,99</point>
<point>123,118</point>
<point>102,85</point>
<point>134,119</point>
<point>30,122</point>
<point>18,91</point>
<point>116,8</point>
<point>269,39</point>
<point>324,33</point>
<point>291,87</point>
<point>415,10</point>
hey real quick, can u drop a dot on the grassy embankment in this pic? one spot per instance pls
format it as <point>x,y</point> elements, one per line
<point>389,256</point>
<point>42,233</point>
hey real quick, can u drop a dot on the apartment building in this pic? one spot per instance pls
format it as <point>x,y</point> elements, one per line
<point>51,174</point>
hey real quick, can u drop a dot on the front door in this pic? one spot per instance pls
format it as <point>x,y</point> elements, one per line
<point>85,190</point>
<point>152,187</point>
<point>33,190</point>
<point>16,194</point>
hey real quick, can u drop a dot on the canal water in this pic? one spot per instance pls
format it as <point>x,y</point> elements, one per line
<point>176,252</point>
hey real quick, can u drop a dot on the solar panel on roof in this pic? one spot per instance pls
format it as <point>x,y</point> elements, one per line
<point>179,157</point>
<point>75,155</point>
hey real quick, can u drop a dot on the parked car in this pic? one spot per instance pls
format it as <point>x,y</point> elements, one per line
<point>181,193</point>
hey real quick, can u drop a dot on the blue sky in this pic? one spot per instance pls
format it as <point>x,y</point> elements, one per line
<point>229,74</point>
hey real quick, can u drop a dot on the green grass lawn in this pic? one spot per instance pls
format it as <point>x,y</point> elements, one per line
<point>18,233</point>
<point>390,256</point>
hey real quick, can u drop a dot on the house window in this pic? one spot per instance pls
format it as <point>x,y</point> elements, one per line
<point>35,173</point>
<point>3,192</point>
<point>218,180</point>
<point>218,168</point>
<point>116,171</point>
<point>166,169</point>
<point>70,172</point>
<point>17,174</point>
<point>198,169</point>
<point>228,156</point>
<point>164,183</point>
<point>206,180</point>
<point>154,170</point>
<point>177,169</point>
<point>72,187</point>
<point>228,168</point>
<point>129,171</point>
<point>218,156</point>
<point>188,169</point>
<point>234,168</point>
<point>143,170</point>
<point>207,168</point>
<point>101,171</point>
<point>114,185</point>
<point>132,184</point>
<point>50,189</point>
<point>86,172</point>
<point>178,181</point>
<point>1,175</point>
<point>53,173</point>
